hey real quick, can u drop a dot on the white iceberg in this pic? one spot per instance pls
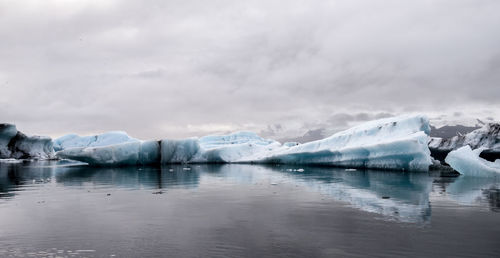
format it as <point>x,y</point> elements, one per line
<point>105,139</point>
<point>486,137</point>
<point>14,144</point>
<point>209,149</point>
<point>398,143</point>
<point>467,162</point>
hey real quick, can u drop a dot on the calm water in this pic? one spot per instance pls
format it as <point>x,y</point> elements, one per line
<point>49,209</point>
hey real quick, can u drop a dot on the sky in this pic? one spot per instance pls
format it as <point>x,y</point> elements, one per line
<point>175,69</point>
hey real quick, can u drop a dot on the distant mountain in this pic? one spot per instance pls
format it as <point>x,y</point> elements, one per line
<point>449,131</point>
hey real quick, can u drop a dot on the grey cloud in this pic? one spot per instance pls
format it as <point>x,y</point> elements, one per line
<point>184,68</point>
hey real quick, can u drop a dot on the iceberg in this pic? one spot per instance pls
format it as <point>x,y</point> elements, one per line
<point>15,144</point>
<point>467,162</point>
<point>105,139</point>
<point>486,137</point>
<point>209,149</point>
<point>398,143</point>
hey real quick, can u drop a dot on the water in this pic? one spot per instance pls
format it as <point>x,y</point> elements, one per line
<point>49,209</point>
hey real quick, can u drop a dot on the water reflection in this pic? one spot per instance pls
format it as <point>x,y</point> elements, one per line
<point>475,191</point>
<point>402,196</point>
<point>130,177</point>
<point>16,176</point>
<point>395,195</point>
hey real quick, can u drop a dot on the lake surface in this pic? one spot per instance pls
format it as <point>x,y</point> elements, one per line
<point>50,209</point>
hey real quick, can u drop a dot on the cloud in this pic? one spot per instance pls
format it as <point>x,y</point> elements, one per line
<point>184,68</point>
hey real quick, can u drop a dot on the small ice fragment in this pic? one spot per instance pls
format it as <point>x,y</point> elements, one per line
<point>300,170</point>
<point>186,168</point>
<point>350,169</point>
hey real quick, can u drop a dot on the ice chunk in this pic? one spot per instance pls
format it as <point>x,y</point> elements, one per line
<point>487,137</point>
<point>25,147</point>
<point>393,143</point>
<point>14,144</point>
<point>467,162</point>
<point>209,149</point>
<point>105,139</point>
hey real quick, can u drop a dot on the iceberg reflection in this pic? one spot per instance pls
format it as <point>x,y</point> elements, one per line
<point>475,191</point>
<point>394,195</point>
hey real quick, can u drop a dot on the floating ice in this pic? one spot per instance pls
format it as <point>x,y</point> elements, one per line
<point>393,143</point>
<point>14,144</point>
<point>467,162</point>
<point>486,137</point>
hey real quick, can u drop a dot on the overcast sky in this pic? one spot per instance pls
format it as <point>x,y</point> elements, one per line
<point>159,69</point>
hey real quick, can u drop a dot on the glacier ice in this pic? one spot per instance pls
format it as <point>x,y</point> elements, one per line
<point>7,132</point>
<point>208,149</point>
<point>393,143</point>
<point>233,148</point>
<point>487,137</point>
<point>25,147</point>
<point>15,144</point>
<point>105,139</point>
<point>467,162</point>
<point>179,151</point>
